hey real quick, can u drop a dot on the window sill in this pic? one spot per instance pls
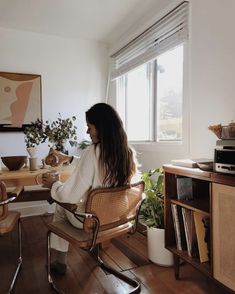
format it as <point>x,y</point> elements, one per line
<point>161,146</point>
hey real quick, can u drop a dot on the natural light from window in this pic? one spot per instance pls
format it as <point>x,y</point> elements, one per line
<point>149,99</point>
<point>169,95</point>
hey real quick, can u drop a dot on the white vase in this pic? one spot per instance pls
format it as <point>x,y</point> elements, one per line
<point>32,151</point>
<point>157,252</point>
<point>33,163</point>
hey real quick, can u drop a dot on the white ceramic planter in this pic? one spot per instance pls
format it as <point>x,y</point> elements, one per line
<point>157,252</point>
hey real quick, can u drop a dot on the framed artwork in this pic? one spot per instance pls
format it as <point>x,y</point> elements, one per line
<point>20,100</point>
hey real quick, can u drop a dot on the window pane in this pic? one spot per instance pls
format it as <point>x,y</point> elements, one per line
<point>138,103</point>
<point>150,97</point>
<point>169,95</point>
<point>134,103</point>
<point>121,98</point>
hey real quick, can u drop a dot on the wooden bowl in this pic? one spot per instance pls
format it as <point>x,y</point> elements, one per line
<point>14,162</point>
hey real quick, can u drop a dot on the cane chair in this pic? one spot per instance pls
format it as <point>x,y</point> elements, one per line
<point>8,221</point>
<point>109,213</point>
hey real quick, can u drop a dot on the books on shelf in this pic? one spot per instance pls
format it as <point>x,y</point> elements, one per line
<point>187,162</point>
<point>187,218</point>
<point>178,227</point>
<point>206,223</point>
<point>182,230</point>
<point>184,187</point>
<point>201,234</point>
<point>184,162</point>
<point>190,233</point>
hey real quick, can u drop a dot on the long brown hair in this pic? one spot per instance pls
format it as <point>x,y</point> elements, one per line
<point>116,157</point>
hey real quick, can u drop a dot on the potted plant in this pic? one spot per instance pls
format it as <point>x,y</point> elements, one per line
<point>152,213</point>
<point>34,135</point>
<point>60,131</point>
<point>57,132</point>
<point>84,144</point>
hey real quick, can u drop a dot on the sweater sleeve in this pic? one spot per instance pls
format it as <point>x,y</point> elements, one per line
<point>75,189</point>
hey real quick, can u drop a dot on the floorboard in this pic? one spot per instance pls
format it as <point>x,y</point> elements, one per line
<point>127,254</point>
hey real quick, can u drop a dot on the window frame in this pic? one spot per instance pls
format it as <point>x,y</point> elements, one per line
<point>169,146</point>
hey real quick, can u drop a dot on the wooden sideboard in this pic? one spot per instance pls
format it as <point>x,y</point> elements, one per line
<point>213,197</point>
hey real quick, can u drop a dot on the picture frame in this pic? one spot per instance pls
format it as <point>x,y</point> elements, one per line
<point>20,100</point>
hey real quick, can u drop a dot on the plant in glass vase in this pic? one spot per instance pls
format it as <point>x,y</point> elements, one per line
<point>60,131</point>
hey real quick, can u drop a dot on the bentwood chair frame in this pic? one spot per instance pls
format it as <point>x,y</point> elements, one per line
<point>109,213</point>
<point>8,221</point>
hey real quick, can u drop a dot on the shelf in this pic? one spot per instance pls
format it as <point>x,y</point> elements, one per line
<point>204,267</point>
<point>212,193</point>
<point>187,171</point>
<point>199,205</point>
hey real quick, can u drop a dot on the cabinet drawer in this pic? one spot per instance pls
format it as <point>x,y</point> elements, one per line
<point>223,232</point>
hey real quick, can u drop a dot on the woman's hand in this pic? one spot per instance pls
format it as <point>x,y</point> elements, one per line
<point>56,158</point>
<point>48,179</point>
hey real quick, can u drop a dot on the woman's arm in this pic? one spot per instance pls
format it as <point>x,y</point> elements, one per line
<point>76,187</point>
<point>56,158</point>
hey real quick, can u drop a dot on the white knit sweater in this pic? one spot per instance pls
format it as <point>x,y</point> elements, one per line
<point>85,176</point>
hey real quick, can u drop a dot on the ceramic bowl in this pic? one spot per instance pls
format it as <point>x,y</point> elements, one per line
<point>14,162</point>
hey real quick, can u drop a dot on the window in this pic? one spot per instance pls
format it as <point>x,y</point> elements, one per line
<point>134,102</point>
<point>149,77</point>
<point>149,98</point>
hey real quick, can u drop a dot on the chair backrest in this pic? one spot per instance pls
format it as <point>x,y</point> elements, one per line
<point>3,196</point>
<point>113,206</point>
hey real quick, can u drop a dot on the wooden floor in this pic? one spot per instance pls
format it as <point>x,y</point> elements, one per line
<point>128,254</point>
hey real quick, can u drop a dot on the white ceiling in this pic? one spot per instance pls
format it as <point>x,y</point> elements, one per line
<point>98,20</point>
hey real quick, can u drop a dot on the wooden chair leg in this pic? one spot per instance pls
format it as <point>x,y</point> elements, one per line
<point>19,258</point>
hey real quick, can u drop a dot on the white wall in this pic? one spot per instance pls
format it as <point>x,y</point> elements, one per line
<point>212,71</point>
<point>210,81</point>
<point>74,74</point>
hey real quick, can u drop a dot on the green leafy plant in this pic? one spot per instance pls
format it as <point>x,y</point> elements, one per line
<point>61,130</point>
<point>34,134</point>
<point>152,209</point>
<point>84,144</point>
<point>57,132</point>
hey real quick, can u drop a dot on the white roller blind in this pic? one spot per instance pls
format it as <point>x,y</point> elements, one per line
<point>166,33</point>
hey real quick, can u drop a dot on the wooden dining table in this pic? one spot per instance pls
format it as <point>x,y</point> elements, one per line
<point>25,184</point>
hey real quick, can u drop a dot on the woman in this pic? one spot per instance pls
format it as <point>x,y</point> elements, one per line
<point>107,162</point>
